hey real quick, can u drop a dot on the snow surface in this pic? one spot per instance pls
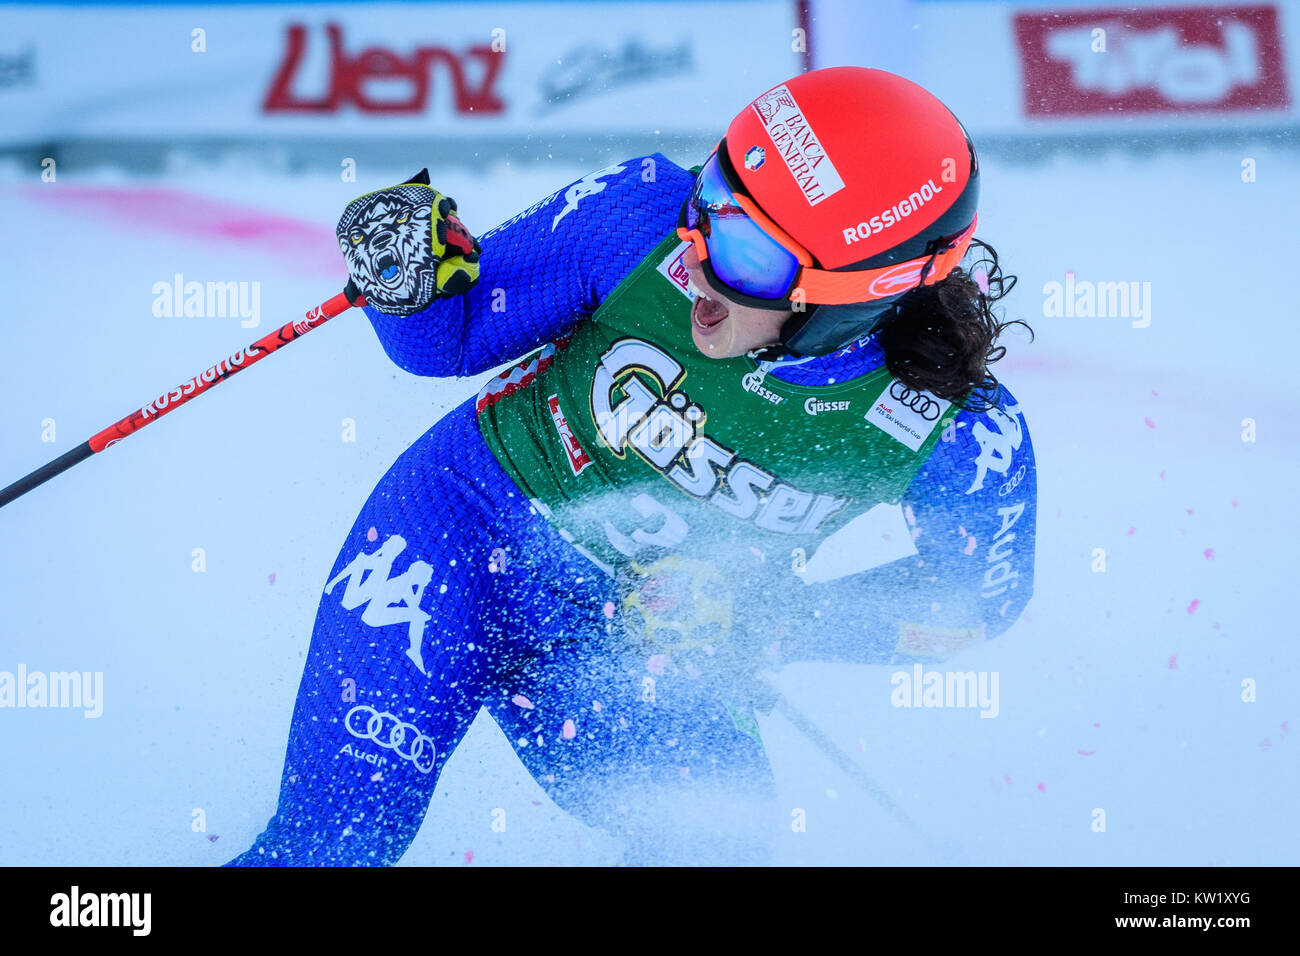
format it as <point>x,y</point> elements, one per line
<point>1119,690</point>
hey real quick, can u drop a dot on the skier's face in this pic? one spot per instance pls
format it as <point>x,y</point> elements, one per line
<point>721,328</point>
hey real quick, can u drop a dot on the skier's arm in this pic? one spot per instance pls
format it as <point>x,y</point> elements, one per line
<point>971,510</point>
<point>542,271</point>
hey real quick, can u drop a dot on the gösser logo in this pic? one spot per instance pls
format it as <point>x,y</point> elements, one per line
<point>663,426</point>
<point>918,402</point>
<point>388,731</point>
<point>814,406</point>
<point>753,382</point>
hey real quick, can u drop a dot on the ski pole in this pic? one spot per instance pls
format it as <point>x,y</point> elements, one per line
<point>169,401</point>
<point>944,852</point>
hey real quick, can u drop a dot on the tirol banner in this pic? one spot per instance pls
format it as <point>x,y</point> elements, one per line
<point>1039,68</point>
<point>1093,62</point>
<point>314,70</point>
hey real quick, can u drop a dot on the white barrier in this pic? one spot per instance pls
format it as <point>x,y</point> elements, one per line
<point>274,71</point>
<point>1071,68</point>
<point>583,74</point>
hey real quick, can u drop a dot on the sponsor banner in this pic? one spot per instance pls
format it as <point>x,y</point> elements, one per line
<point>284,71</point>
<point>421,69</point>
<point>1028,68</point>
<point>1101,62</point>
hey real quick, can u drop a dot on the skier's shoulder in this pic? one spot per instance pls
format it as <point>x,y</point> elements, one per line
<point>639,185</point>
<point>633,187</point>
<point>995,408</point>
<point>987,440</point>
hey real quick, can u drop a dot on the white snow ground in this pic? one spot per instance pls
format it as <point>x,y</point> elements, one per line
<point>1115,692</point>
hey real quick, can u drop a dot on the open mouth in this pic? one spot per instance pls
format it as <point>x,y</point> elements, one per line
<point>706,314</point>
<point>386,267</point>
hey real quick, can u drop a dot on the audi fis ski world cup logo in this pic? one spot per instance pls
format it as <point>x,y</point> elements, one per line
<point>905,414</point>
<point>920,402</point>
<point>390,732</point>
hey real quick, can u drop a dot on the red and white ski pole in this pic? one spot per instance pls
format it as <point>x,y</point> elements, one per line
<point>170,401</point>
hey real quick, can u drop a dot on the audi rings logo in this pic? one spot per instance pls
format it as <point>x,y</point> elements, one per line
<point>919,402</point>
<point>1011,483</point>
<point>388,731</point>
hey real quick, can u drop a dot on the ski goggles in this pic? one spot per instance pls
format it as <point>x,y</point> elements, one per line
<point>743,250</point>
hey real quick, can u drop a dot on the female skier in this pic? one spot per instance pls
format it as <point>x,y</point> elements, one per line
<point>756,425</point>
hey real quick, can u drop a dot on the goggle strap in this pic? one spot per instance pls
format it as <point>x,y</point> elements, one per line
<point>821,287</point>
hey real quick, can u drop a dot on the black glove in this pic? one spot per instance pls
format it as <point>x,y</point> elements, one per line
<point>404,247</point>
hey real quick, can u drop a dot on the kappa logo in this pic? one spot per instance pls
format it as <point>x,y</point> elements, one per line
<point>997,448</point>
<point>388,600</point>
<point>588,185</point>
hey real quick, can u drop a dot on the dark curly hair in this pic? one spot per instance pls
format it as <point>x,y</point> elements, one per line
<point>943,337</point>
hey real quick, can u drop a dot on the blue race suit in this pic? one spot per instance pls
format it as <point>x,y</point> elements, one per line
<point>451,593</point>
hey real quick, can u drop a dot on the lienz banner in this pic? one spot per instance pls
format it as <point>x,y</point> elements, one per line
<point>307,70</point>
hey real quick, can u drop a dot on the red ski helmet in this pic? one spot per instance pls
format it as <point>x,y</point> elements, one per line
<point>863,177</point>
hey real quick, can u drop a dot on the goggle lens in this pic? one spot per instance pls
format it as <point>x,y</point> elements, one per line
<point>741,254</point>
